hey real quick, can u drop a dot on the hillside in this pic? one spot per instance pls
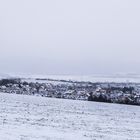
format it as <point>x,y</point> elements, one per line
<point>37,118</point>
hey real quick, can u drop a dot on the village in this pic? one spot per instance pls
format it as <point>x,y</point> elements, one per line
<point>122,93</point>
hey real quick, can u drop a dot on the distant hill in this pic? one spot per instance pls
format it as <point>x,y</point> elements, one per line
<point>2,76</point>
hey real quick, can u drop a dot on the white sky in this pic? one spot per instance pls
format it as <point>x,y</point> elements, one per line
<point>70,36</point>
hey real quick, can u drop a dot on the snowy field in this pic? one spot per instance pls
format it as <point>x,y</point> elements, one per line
<point>36,118</point>
<point>118,78</point>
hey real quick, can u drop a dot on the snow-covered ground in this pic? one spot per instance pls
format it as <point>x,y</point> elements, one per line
<point>90,78</point>
<point>36,118</point>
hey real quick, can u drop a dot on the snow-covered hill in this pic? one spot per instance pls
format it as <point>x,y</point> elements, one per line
<point>2,76</point>
<point>91,78</point>
<point>35,118</point>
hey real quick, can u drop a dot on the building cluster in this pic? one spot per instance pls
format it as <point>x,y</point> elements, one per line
<point>100,92</point>
<point>66,91</point>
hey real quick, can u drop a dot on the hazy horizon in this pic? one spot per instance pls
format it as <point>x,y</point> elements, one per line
<point>74,37</point>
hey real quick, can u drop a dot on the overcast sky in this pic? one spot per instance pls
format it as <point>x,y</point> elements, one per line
<point>70,36</point>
